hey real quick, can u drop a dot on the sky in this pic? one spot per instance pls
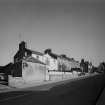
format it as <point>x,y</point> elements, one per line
<point>72,27</point>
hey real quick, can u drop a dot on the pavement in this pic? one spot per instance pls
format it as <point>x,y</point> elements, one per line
<point>4,88</point>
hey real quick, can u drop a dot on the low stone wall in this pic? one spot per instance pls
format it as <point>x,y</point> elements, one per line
<point>18,82</point>
<point>15,81</point>
<point>50,76</point>
<point>68,75</point>
<point>54,75</point>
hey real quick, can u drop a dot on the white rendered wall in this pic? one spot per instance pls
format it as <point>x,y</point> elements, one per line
<point>53,63</point>
<point>34,72</point>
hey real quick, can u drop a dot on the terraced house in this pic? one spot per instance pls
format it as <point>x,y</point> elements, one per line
<point>60,62</point>
<point>32,65</point>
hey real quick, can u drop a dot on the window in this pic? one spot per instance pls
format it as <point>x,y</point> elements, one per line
<point>25,65</point>
<point>47,62</point>
<point>16,60</point>
<point>37,57</point>
<point>54,60</point>
<point>25,53</point>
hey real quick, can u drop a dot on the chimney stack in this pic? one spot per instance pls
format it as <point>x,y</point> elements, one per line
<point>22,46</point>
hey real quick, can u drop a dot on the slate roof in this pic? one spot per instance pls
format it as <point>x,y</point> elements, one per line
<point>35,52</point>
<point>53,55</point>
<point>33,60</point>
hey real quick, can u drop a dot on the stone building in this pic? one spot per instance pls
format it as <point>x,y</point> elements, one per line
<point>28,66</point>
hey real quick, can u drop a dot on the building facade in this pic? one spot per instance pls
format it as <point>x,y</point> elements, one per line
<point>51,60</point>
<point>60,62</point>
<point>28,70</point>
<point>31,65</point>
<point>66,63</point>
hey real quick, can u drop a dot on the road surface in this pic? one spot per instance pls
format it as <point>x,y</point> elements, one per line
<point>79,92</point>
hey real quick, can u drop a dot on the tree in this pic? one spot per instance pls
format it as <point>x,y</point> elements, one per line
<point>82,64</point>
<point>101,67</point>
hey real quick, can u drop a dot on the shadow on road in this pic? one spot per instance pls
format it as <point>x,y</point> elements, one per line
<point>81,92</point>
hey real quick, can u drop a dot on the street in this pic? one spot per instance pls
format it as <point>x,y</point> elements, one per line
<point>79,92</point>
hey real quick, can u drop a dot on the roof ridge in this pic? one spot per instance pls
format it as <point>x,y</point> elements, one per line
<point>32,59</point>
<point>40,53</point>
